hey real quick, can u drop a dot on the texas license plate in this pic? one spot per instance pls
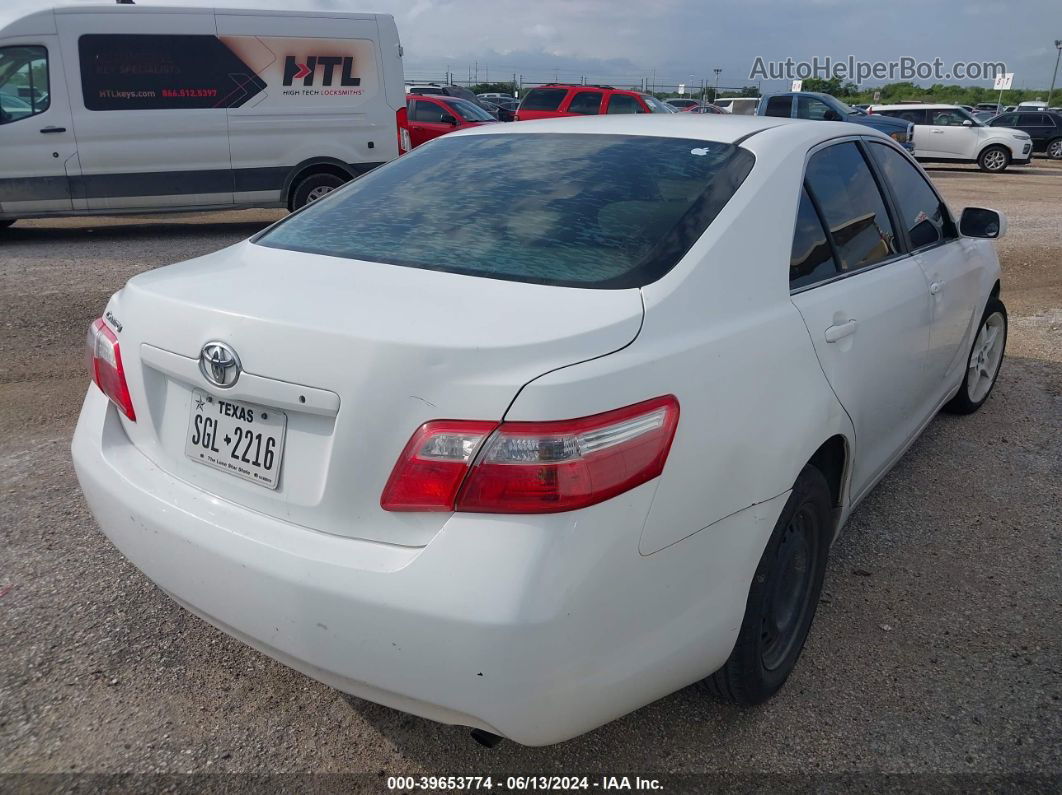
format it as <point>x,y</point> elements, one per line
<point>238,438</point>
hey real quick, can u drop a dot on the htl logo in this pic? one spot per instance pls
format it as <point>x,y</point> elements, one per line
<point>327,64</point>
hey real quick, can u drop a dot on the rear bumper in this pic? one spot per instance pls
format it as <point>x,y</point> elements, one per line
<point>536,629</point>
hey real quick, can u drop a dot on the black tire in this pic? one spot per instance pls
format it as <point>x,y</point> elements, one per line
<point>4,224</point>
<point>1053,149</point>
<point>994,159</point>
<point>761,661</point>
<point>313,187</point>
<point>969,398</point>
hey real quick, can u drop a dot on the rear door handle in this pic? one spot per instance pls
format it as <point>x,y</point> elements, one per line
<point>934,288</point>
<point>53,129</point>
<point>839,332</point>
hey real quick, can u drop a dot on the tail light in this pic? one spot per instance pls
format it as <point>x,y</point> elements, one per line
<point>532,467</point>
<point>402,123</point>
<point>105,356</point>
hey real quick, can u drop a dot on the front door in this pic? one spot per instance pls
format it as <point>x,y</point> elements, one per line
<point>426,120</point>
<point>869,322</point>
<point>946,137</point>
<point>148,93</point>
<point>37,144</point>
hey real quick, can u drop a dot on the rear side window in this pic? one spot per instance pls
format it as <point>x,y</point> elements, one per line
<point>577,210</point>
<point>544,99</point>
<point>843,186</point>
<point>811,260</point>
<point>779,106</point>
<point>624,103</point>
<point>586,102</point>
<point>920,209</point>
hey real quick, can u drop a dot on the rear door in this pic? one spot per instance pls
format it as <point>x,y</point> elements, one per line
<point>865,303</point>
<point>148,90</point>
<point>36,133</point>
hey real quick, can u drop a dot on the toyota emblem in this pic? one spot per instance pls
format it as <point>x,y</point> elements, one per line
<point>219,364</point>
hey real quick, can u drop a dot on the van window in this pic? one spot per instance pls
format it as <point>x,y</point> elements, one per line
<point>162,72</point>
<point>578,210</point>
<point>23,82</point>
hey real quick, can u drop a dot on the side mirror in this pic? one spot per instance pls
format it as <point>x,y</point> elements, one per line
<point>967,123</point>
<point>447,118</point>
<point>982,222</point>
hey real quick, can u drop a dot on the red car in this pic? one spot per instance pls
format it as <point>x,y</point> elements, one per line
<point>434,115</point>
<point>564,99</point>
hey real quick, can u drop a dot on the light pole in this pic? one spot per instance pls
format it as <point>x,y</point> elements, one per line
<point>715,96</point>
<point>1058,46</point>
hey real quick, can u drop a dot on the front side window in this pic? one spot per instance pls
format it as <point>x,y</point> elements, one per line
<point>24,90</point>
<point>947,118</point>
<point>577,210</point>
<point>463,109</point>
<point>852,207</point>
<point>1006,120</point>
<point>919,208</point>
<point>544,99</point>
<point>624,103</point>
<point>811,260</point>
<point>587,103</point>
<point>427,112</point>
<point>815,109</point>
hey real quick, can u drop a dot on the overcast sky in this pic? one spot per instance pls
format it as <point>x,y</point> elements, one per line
<point>621,42</point>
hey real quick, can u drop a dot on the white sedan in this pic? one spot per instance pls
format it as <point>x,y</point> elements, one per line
<point>543,421</point>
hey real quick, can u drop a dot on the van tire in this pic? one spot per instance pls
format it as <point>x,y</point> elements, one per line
<point>994,159</point>
<point>313,187</point>
<point>765,654</point>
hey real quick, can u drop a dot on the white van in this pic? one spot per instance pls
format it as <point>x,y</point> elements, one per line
<point>112,109</point>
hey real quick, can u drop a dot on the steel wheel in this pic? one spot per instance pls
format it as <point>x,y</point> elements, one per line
<point>318,192</point>
<point>985,358</point>
<point>788,601</point>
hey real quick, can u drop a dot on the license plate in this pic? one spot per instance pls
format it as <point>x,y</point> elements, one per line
<point>238,438</point>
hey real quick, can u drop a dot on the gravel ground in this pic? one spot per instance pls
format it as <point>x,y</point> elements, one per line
<point>936,649</point>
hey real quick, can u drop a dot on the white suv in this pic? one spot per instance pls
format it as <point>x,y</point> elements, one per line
<point>949,133</point>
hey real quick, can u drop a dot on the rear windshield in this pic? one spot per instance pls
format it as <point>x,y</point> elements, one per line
<point>544,98</point>
<point>577,210</point>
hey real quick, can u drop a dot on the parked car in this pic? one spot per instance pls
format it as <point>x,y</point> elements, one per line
<point>499,112</point>
<point>566,99</point>
<point>994,107</point>
<point>741,106</point>
<point>493,96</point>
<point>682,103</point>
<point>706,107</point>
<point>149,109</point>
<point>947,133</point>
<point>433,115</point>
<point>1043,127</point>
<point>530,473</point>
<point>437,89</point>
<point>983,116</point>
<point>822,107</point>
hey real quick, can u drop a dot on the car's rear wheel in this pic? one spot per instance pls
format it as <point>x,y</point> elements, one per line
<point>994,159</point>
<point>314,187</point>
<point>986,357</point>
<point>1054,149</point>
<point>783,597</point>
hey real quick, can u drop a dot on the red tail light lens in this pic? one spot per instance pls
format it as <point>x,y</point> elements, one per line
<point>108,374</point>
<point>533,467</point>
<point>402,123</point>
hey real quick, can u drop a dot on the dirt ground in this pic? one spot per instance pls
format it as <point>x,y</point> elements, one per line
<point>937,649</point>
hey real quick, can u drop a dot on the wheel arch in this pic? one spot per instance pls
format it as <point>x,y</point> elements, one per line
<point>313,165</point>
<point>833,459</point>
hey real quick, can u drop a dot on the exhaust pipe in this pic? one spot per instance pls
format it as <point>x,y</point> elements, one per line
<point>485,738</point>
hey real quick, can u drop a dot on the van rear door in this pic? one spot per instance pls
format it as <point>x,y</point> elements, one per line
<point>148,87</point>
